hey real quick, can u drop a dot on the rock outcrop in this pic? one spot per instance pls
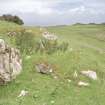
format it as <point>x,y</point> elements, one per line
<point>10,62</point>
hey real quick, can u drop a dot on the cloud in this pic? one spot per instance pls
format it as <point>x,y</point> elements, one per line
<point>53,12</point>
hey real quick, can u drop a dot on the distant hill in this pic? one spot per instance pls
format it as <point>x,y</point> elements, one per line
<point>10,18</point>
<point>89,24</point>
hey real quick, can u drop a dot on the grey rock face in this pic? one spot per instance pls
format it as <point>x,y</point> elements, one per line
<point>10,62</point>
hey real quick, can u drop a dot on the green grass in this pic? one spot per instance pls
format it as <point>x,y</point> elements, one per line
<point>88,44</point>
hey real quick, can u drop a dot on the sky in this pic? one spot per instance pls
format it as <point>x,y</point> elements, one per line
<point>55,12</point>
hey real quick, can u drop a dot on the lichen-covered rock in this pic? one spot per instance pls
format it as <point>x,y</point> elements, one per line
<point>10,62</point>
<point>49,36</point>
<point>44,68</point>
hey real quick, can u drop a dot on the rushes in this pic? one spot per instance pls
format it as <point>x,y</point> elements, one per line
<point>25,41</point>
<point>49,44</point>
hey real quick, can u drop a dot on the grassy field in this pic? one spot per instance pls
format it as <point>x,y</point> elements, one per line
<point>86,52</point>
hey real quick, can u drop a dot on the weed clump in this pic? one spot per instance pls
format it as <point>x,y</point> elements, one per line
<point>28,43</point>
<point>25,41</point>
<point>49,44</point>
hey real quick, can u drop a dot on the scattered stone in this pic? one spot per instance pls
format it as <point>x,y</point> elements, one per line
<point>10,63</point>
<point>23,93</point>
<point>49,36</point>
<point>80,83</point>
<point>90,74</point>
<point>44,68</point>
<point>69,80</point>
<point>52,102</point>
<point>28,57</point>
<point>55,77</point>
<point>11,34</point>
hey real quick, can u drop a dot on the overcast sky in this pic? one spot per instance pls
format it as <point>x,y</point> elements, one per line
<point>55,12</point>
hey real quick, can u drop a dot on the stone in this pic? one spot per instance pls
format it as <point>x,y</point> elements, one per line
<point>52,102</point>
<point>80,83</point>
<point>2,46</point>
<point>55,77</point>
<point>23,93</point>
<point>10,62</point>
<point>49,36</point>
<point>11,34</point>
<point>89,73</point>
<point>69,80</point>
<point>28,57</point>
<point>44,68</point>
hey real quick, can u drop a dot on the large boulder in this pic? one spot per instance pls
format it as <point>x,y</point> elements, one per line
<point>10,62</point>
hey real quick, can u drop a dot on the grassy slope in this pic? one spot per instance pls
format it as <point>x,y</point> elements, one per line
<point>88,44</point>
<point>7,26</point>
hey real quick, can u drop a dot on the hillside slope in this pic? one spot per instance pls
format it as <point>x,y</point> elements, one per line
<point>86,52</point>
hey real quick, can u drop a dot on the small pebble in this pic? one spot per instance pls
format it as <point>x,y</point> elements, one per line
<point>80,83</point>
<point>28,57</point>
<point>69,80</point>
<point>23,93</point>
<point>55,77</point>
<point>52,102</point>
